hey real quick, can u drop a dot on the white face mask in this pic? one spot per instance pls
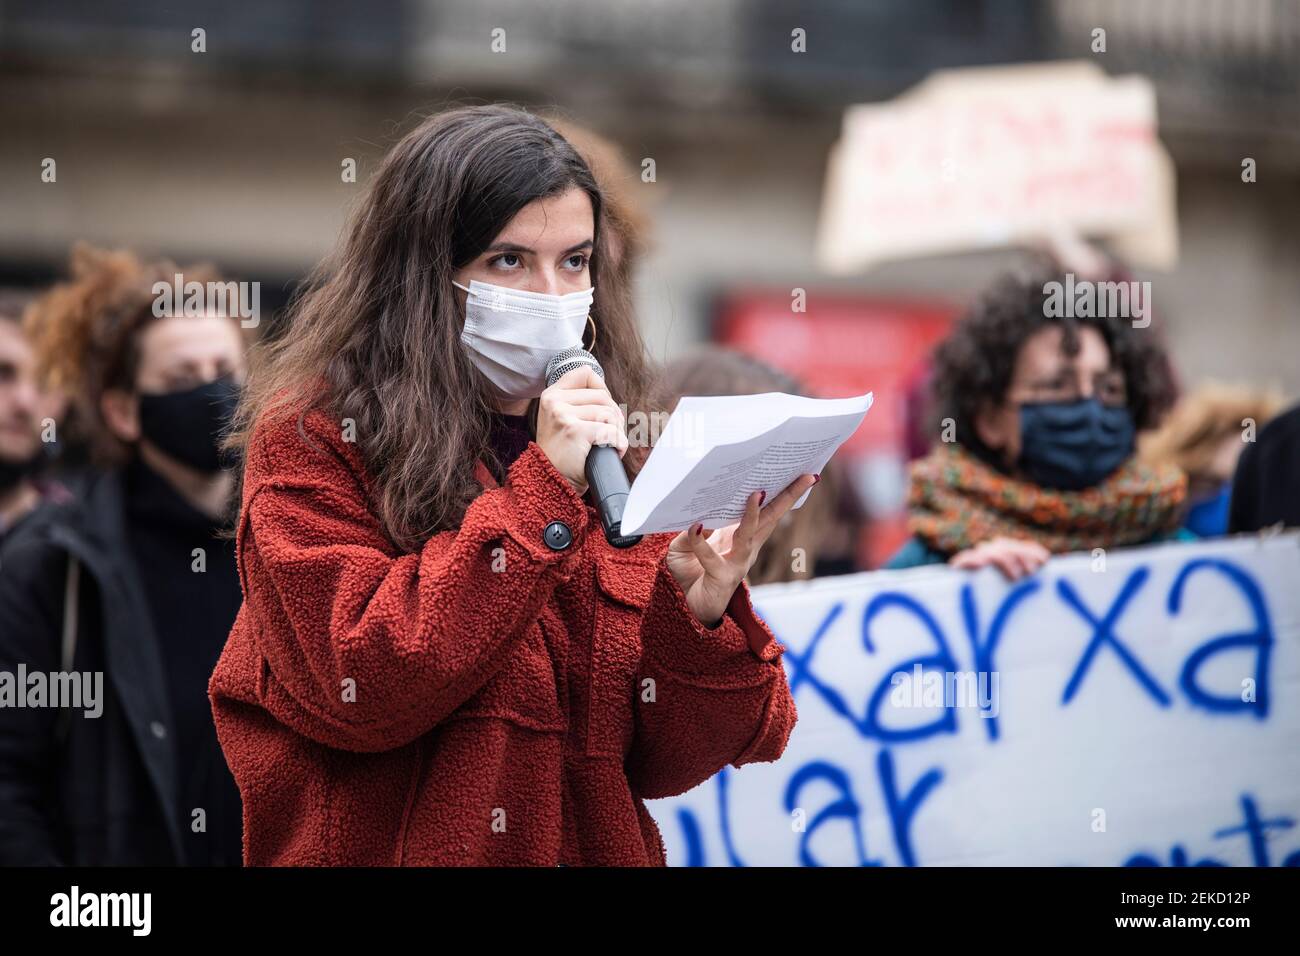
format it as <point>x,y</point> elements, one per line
<point>512,334</point>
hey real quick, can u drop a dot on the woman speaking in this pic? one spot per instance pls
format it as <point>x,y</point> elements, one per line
<point>440,660</point>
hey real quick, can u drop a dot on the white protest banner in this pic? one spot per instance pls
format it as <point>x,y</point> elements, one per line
<point>1136,707</point>
<point>988,156</point>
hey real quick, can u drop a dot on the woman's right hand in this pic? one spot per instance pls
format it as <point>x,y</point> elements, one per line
<point>1014,557</point>
<point>574,414</point>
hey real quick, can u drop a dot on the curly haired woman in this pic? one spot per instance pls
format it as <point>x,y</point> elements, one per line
<point>1040,414</point>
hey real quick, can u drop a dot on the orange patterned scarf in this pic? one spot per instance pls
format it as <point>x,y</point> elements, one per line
<point>956,501</point>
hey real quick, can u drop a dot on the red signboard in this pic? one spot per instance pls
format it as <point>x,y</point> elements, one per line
<point>845,345</point>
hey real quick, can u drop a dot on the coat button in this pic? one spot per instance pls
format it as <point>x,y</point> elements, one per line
<point>158,730</point>
<point>557,536</point>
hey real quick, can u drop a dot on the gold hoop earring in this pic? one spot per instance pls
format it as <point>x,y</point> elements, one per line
<point>592,323</point>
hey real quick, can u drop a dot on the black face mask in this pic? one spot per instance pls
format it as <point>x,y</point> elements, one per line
<point>1073,445</point>
<point>14,472</point>
<point>190,425</point>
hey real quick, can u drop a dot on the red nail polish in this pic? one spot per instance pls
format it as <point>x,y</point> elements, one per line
<point>699,529</point>
<point>817,477</point>
<point>762,496</point>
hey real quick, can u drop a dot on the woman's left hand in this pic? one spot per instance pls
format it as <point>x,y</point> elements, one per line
<point>709,567</point>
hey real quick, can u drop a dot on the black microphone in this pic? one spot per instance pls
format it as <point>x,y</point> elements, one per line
<point>605,474</point>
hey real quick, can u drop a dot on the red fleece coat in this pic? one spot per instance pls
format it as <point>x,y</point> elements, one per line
<point>484,700</point>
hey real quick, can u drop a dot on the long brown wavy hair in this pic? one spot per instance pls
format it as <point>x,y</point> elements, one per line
<point>375,334</point>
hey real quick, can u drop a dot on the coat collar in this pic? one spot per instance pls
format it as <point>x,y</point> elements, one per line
<point>484,475</point>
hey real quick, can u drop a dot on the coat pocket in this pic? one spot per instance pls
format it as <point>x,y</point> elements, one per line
<point>523,691</point>
<point>624,593</point>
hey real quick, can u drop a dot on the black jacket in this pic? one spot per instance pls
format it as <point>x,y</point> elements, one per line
<point>78,790</point>
<point>1266,489</point>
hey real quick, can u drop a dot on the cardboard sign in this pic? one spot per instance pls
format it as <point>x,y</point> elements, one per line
<point>1136,707</point>
<point>989,156</point>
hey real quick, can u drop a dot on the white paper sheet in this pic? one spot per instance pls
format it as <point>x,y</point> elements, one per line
<point>717,451</point>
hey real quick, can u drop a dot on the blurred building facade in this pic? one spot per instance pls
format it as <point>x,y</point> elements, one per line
<point>235,153</point>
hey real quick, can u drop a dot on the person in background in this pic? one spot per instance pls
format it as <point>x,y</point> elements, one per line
<point>1266,489</point>
<point>1204,436</point>
<point>133,580</point>
<point>918,396</point>
<point>1037,424</point>
<point>25,409</point>
<point>807,542</point>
